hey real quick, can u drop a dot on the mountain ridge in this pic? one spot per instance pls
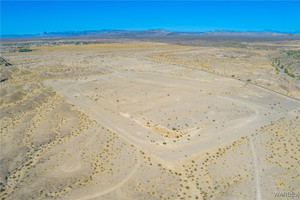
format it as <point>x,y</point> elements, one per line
<point>153,33</point>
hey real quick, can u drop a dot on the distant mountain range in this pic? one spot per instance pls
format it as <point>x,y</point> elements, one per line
<point>155,33</point>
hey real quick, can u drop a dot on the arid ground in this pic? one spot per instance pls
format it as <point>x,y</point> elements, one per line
<point>148,120</point>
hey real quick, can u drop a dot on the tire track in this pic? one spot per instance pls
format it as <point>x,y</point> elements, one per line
<point>116,186</point>
<point>255,171</point>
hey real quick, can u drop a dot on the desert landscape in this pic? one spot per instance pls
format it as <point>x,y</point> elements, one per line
<point>149,119</point>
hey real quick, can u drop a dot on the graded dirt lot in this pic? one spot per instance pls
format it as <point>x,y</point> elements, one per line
<point>145,120</point>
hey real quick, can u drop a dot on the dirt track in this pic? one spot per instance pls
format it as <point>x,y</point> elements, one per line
<point>121,122</point>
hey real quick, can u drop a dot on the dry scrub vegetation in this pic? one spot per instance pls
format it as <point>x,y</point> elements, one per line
<point>145,120</point>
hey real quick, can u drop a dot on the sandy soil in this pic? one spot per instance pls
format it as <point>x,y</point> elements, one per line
<point>147,121</point>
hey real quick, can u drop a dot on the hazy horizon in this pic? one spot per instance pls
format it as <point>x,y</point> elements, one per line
<point>80,31</point>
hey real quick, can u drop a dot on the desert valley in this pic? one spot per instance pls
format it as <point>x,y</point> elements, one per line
<point>140,119</point>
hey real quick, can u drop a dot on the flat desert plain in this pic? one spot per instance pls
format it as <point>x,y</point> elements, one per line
<point>146,120</point>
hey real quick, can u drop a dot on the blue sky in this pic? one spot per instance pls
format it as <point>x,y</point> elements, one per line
<point>29,17</point>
